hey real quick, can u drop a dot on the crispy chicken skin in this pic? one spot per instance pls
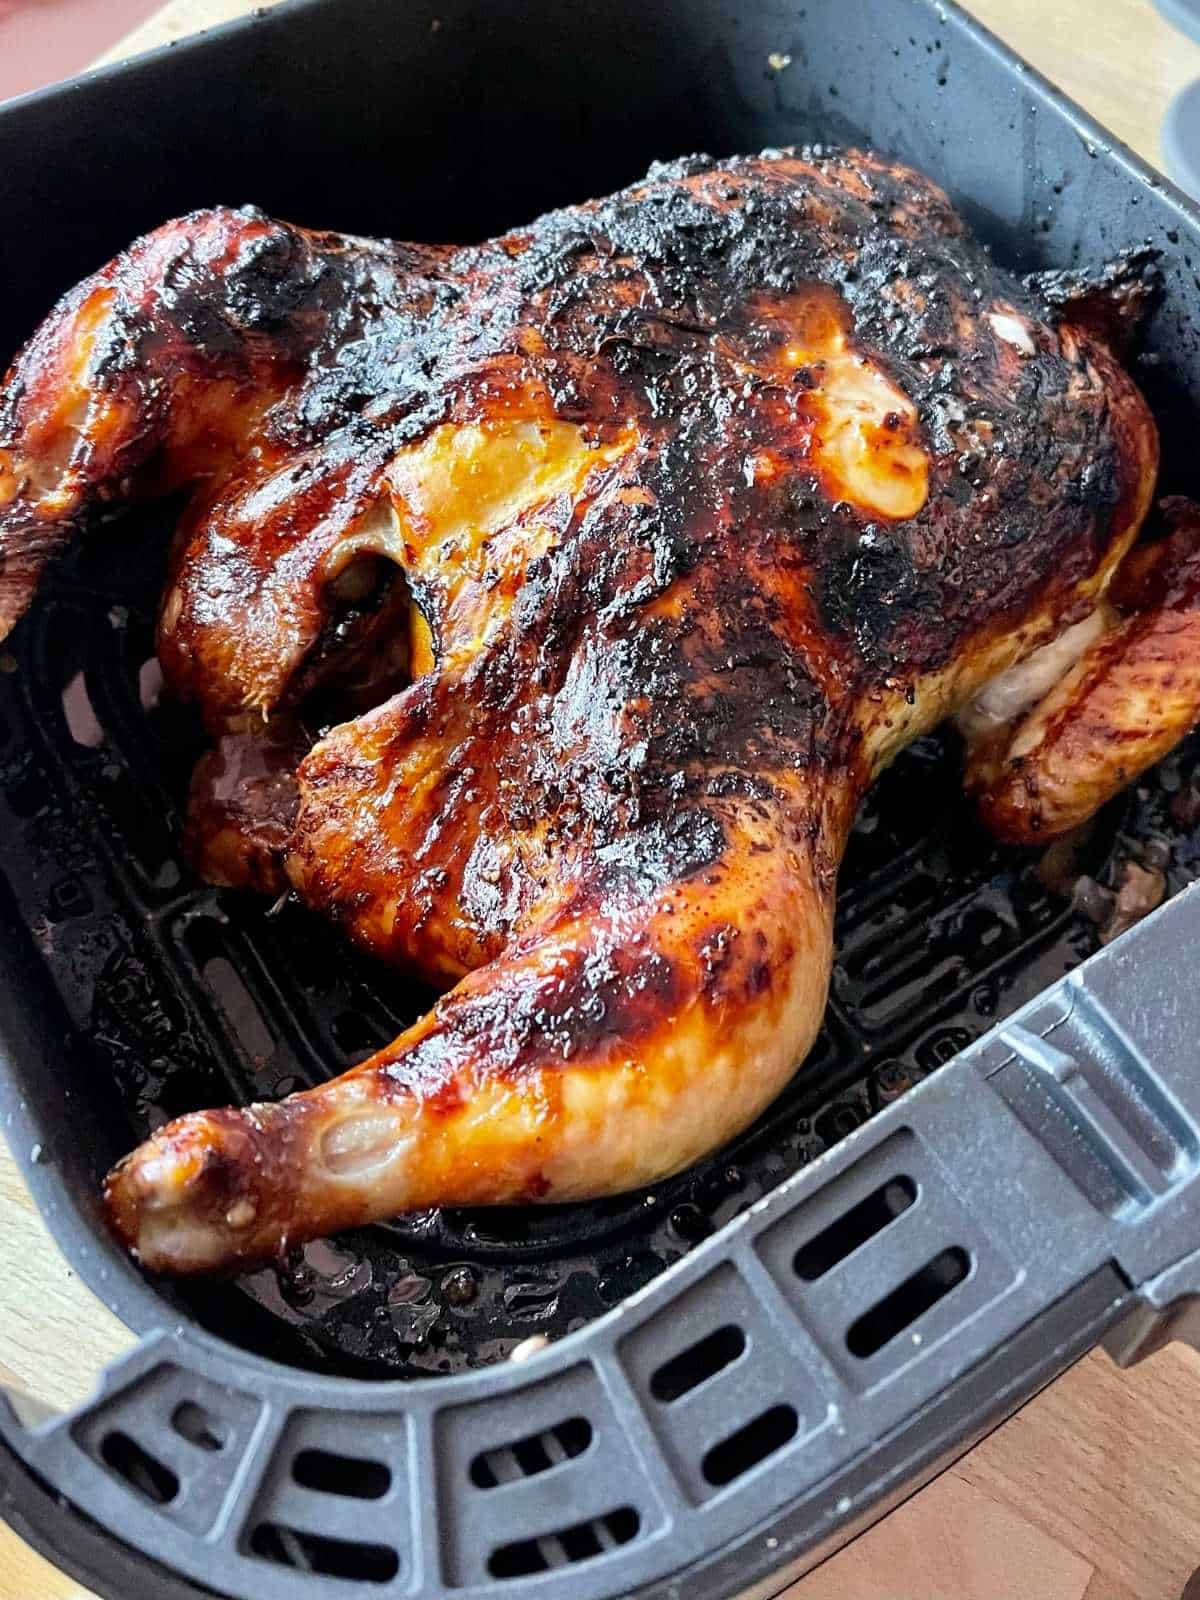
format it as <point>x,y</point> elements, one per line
<point>682,511</point>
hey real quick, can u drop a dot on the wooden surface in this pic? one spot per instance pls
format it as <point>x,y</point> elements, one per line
<point>1093,1492</point>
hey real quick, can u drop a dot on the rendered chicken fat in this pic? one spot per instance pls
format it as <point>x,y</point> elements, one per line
<point>863,423</point>
<point>1013,331</point>
<point>463,484</point>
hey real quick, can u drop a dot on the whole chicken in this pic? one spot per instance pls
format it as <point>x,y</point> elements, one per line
<point>610,560</point>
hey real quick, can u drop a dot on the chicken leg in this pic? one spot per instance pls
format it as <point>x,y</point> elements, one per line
<point>616,1039</point>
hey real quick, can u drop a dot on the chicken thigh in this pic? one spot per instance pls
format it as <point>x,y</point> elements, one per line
<point>626,549</point>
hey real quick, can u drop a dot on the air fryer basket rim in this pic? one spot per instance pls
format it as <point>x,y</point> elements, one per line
<point>759,1564</point>
<point>1123,1236</point>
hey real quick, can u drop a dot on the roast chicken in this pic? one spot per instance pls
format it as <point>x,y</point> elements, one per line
<point>551,604</point>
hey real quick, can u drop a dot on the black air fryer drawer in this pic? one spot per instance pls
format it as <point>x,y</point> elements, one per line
<point>749,1363</point>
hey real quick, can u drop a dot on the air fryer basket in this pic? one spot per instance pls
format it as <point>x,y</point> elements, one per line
<point>748,1364</point>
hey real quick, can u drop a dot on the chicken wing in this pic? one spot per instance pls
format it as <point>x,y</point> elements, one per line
<point>1125,693</point>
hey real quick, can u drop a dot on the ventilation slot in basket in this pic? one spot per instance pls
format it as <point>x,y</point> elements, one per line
<point>141,1471</point>
<point>193,1423</point>
<point>584,1542</point>
<point>696,1364</point>
<point>901,1308</point>
<point>351,1476</point>
<point>860,1223</point>
<point>331,1558</point>
<point>750,1445</point>
<point>529,1456</point>
<point>237,1003</point>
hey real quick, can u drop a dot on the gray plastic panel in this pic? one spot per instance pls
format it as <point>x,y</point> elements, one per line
<point>778,1367</point>
<point>639,1446</point>
<point>936,1221</point>
<point>541,1501</point>
<point>193,1410</point>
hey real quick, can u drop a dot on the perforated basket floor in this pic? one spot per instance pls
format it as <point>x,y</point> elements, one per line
<point>192,998</point>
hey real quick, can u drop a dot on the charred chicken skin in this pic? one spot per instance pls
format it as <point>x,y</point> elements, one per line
<point>629,547</point>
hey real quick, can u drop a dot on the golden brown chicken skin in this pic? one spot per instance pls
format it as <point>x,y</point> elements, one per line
<point>682,512</point>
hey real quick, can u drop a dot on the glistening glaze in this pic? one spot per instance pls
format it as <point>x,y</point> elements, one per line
<point>824,470</point>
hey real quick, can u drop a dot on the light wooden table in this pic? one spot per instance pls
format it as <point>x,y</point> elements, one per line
<point>1093,1491</point>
